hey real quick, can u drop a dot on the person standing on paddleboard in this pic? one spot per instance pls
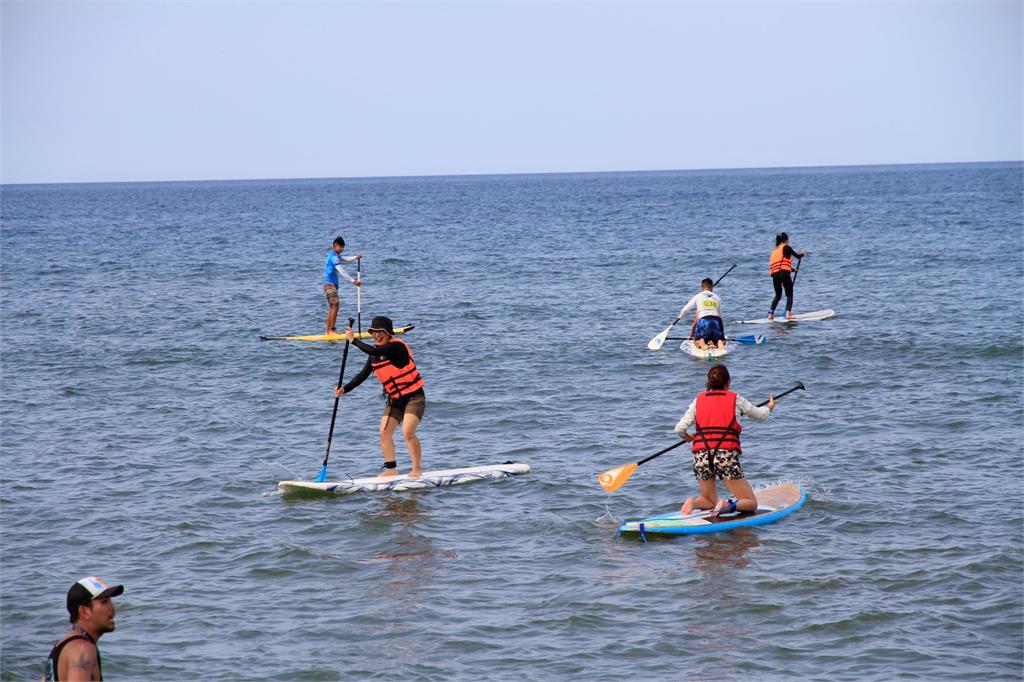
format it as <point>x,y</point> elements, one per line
<point>332,268</point>
<point>716,444</point>
<point>708,329</point>
<point>76,656</point>
<point>391,360</point>
<point>780,265</point>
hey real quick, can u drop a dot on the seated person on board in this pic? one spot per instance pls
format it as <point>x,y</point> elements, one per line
<point>708,330</point>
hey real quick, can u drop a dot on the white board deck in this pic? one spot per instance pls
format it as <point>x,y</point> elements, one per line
<point>780,318</point>
<point>706,353</point>
<point>429,479</point>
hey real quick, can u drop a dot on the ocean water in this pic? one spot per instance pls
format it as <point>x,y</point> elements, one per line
<point>143,426</point>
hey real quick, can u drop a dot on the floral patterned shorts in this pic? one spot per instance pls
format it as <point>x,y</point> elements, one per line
<point>724,463</point>
<point>331,292</point>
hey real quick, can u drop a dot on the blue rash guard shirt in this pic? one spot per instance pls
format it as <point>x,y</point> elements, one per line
<point>333,266</point>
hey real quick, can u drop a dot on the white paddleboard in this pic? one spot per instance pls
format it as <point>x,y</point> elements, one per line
<point>703,353</point>
<point>802,317</point>
<point>429,479</point>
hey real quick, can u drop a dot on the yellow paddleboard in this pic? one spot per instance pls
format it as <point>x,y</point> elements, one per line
<point>333,337</point>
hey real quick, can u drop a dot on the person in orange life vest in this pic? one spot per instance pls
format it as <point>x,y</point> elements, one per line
<point>716,444</point>
<point>76,656</point>
<point>391,360</point>
<point>780,265</point>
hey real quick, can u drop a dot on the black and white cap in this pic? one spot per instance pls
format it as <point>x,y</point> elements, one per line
<point>87,589</point>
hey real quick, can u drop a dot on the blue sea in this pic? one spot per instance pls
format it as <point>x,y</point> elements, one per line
<point>145,425</point>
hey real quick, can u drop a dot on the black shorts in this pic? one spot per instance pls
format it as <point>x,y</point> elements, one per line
<point>415,403</point>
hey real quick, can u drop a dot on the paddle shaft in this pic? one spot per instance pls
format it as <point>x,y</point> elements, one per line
<point>684,442</point>
<point>334,413</point>
<point>798,387</point>
<point>728,338</point>
<point>798,260</point>
<point>726,273</point>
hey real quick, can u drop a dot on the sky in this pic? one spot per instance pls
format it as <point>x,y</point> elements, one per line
<point>194,90</point>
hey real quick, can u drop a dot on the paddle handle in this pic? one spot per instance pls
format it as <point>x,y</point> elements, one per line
<point>334,413</point>
<point>798,259</point>
<point>799,387</point>
<point>359,296</point>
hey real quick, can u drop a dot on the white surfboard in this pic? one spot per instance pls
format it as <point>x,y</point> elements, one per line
<point>703,353</point>
<point>429,479</point>
<point>802,317</point>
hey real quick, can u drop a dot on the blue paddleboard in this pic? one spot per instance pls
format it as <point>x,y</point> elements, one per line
<point>773,503</point>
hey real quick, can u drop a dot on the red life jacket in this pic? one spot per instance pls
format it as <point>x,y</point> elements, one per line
<point>716,423</point>
<point>778,263</point>
<point>398,381</point>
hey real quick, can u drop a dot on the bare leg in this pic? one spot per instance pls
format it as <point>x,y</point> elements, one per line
<point>332,317</point>
<point>746,501</point>
<point>706,500</point>
<point>409,424</point>
<point>388,424</point>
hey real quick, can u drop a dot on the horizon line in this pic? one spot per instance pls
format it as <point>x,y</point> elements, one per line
<point>514,174</point>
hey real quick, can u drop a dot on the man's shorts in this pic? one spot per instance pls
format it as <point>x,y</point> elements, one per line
<point>411,404</point>
<point>331,292</point>
<point>708,329</point>
<point>725,465</point>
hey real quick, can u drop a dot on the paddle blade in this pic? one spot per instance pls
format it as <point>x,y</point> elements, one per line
<point>751,340</point>
<point>659,340</point>
<point>322,476</point>
<point>613,479</point>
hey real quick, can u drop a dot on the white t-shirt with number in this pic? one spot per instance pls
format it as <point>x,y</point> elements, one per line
<point>707,304</point>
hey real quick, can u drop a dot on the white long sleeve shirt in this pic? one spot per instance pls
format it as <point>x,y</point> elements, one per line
<point>707,304</point>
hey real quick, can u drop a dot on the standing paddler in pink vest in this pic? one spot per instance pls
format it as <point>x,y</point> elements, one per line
<point>715,413</point>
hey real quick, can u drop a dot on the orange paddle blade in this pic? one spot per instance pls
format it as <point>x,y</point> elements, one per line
<point>613,479</point>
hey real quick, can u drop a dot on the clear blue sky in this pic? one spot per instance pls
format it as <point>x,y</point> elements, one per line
<point>96,91</point>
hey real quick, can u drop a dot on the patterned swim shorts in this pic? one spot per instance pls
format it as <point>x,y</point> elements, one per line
<point>725,464</point>
<point>708,329</point>
<point>331,292</point>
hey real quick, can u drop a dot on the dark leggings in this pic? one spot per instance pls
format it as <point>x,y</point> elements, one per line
<point>781,280</point>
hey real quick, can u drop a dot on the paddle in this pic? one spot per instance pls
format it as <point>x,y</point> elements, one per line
<point>659,340</point>
<point>613,479</point>
<point>750,340</point>
<point>330,434</point>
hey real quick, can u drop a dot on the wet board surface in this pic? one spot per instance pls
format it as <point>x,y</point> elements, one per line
<point>773,503</point>
<point>429,479</point>
<point>706,353</point>
<point>802,317</point>
<point>333,337</point>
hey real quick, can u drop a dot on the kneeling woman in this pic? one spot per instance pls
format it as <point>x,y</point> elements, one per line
<point>391,360</point>
<point>715,413</point>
